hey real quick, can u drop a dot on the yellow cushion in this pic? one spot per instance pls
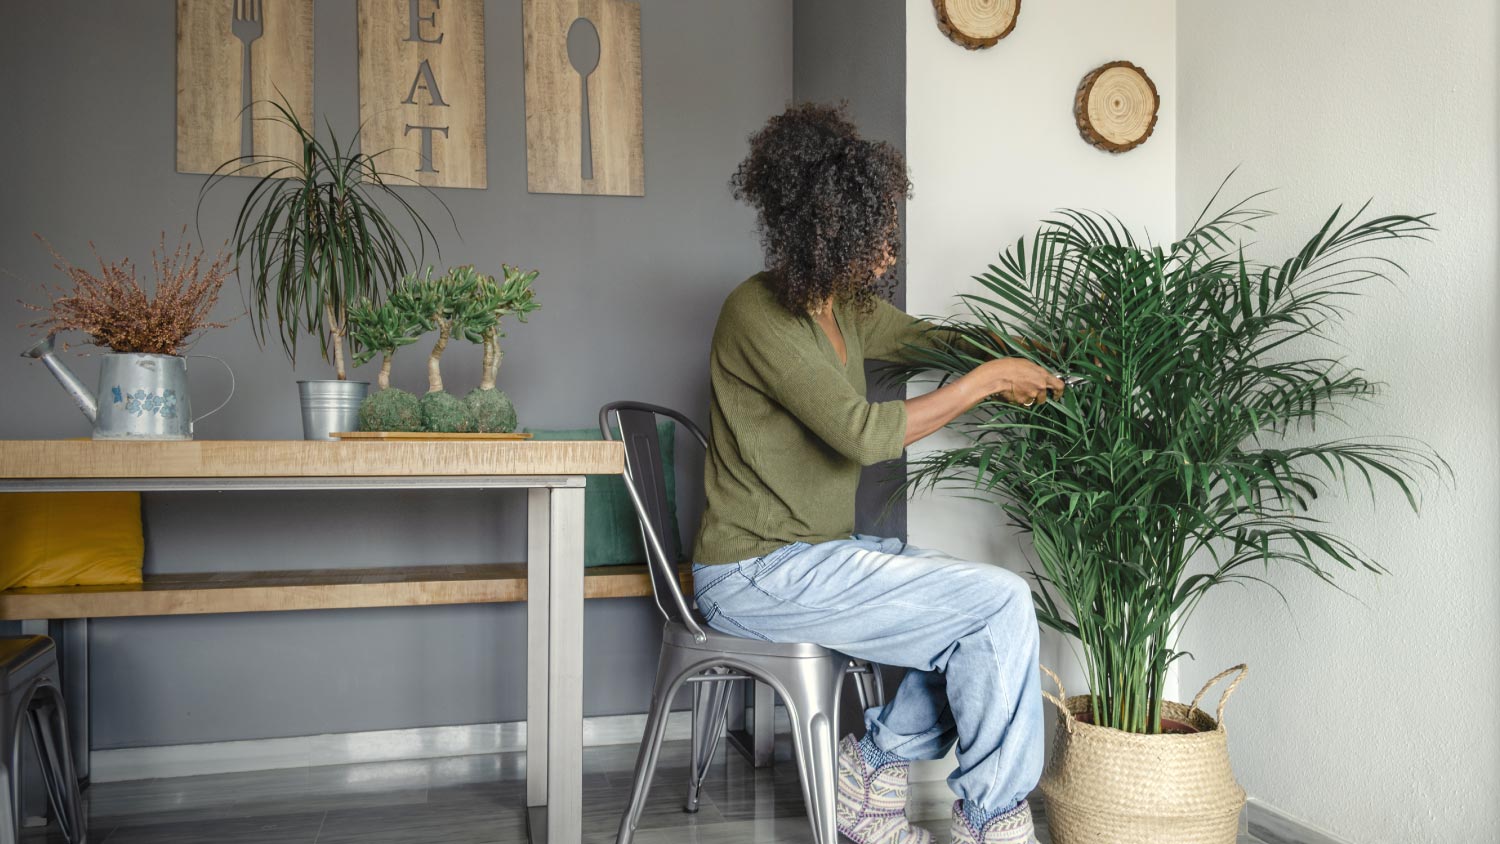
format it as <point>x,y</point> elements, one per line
<point>70,539</point>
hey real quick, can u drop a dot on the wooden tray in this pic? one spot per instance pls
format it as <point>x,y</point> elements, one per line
<point>421,435</point>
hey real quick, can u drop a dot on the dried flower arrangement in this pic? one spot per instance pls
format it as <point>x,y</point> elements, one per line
<point>111,307</point>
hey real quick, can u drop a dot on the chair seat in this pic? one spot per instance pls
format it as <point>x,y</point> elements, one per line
<point>17,651</point>
<point>677,634</point>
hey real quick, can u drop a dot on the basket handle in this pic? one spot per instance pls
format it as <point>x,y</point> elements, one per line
<point>1242,669</point>
<point>1058,699</point>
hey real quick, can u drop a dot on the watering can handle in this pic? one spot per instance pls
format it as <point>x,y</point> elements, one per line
<point>1242,669</point>
<point>224,364</point>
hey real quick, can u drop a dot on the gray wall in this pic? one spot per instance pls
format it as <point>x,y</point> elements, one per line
<point>855,51</point>
<point>630,289</point>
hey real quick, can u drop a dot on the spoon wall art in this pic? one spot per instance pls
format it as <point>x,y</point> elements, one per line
<point>584,128</point>
<point>583,53</point>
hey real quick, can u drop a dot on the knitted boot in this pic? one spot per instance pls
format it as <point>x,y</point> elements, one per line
<point>872,800</point>
<point>1013,827</point>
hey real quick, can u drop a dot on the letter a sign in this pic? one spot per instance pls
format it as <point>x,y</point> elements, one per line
<point>421,89</point>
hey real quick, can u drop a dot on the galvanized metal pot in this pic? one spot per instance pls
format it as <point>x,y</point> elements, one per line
<point>329,406</point>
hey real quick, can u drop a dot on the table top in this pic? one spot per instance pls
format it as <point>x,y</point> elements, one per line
<point>270,459</point>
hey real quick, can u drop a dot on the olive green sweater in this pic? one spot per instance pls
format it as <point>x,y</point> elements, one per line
<point>790,423</point>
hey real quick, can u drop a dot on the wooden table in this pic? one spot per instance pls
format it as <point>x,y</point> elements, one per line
<point>552,472</point>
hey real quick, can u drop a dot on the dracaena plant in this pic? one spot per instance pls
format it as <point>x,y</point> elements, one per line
<point>318,233</point>
<point>1186,457</point>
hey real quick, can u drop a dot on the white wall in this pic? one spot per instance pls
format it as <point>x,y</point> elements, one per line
<point>1375,716</point>
<point>993,149</point>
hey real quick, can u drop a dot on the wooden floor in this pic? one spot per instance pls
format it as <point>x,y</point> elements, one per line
<point>461,800</point>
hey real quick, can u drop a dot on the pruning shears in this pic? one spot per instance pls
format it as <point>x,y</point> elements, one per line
<point>1071,381</point>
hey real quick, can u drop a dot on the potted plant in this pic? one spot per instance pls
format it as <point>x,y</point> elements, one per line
<point>462,303</point>
<point>312,239</point>
<point>143,391</point>
<point>450,305</point>
<point>381,329</point>
<point>490,408</point>
<point>1183,458</point>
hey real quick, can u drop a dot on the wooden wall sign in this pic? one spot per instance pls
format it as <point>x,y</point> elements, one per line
<point>976,24</point>
<point>231,53</point>
<point>421,89</point>
<point>584,126</point>
<point>1116,106</point>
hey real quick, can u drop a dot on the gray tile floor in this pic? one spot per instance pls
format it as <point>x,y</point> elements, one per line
<point>461,800</point>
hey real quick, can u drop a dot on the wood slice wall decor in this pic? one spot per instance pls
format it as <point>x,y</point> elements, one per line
<point>213,126</point>
<point>422,90</point>
<point>976,24</point>
<point>1116,106</point>
<point>584,124</point>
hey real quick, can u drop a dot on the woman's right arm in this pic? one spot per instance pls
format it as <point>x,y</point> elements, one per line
<point>1016,380</point>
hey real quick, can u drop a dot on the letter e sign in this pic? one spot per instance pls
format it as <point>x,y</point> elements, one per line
<point>421,89</point>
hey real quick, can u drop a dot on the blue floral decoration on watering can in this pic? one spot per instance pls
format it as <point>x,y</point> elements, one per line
<point>140,402</point>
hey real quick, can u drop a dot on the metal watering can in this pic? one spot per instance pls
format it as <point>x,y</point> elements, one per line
<point>140,396</point>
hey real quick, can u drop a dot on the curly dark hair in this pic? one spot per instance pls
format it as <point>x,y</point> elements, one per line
<point>828,204</point>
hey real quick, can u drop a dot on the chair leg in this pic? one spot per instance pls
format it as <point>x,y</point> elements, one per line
<point>37,717</point>
<point>10,779</point>
<point>813,687</point>
<point>868,684</point>
<point>669,676</point>
<point>710,711</point>
<point>763,741</point>
<point>49,725</point>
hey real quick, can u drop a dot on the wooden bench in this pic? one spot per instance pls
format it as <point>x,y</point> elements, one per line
<point>315,589</point>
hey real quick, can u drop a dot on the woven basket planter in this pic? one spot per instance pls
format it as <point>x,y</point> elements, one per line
<point>1106,786</point>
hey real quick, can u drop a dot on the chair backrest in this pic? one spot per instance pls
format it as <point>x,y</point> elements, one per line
<point>646,483</point>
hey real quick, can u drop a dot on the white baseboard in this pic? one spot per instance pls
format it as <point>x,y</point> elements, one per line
<point>1269,823</point>
<point>228,757</point>
<point>224,757</point>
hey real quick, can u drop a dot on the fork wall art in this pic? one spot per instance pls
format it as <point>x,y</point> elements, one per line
<point>237,53</point>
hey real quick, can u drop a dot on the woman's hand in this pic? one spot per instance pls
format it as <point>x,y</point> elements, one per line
<point>1016,380</point>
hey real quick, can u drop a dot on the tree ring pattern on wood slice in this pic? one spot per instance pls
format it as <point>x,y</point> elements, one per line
<point>1116,106</point>
<point>976,24</point>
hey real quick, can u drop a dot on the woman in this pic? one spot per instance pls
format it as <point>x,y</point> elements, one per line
<point>791,427</point>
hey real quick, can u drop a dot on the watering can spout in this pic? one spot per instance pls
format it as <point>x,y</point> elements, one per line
<point>45,352</point>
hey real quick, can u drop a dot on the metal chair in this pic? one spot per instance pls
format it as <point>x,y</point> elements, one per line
<point>807,677</point>
<point>30,691</point>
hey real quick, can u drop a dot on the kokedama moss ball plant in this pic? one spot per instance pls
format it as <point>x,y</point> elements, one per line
<point>462,304</point>
<point>382,329</point>
<point>1168,469</point>
<point>491,408</point>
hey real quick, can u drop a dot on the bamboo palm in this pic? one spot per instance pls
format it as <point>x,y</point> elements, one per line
<point>1181,461</point>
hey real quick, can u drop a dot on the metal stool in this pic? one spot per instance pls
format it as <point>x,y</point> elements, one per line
<point>807,677</point>
<point>30,690</point>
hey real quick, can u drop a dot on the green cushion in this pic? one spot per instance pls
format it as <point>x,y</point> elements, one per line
<point>611,534</point>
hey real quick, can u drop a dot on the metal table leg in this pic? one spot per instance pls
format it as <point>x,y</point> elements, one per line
<point>538,557</point>
<point>555,672</point>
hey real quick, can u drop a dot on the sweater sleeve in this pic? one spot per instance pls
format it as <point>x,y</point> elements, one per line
<point>890,333</point>
<point>809,387</point>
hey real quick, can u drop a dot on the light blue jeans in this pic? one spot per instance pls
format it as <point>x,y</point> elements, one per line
<point>966,631</point>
